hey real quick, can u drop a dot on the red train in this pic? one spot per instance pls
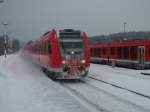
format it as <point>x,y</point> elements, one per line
<point>135,54</point>
<point>64,54</point>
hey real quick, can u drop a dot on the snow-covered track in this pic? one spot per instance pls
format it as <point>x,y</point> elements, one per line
<point>89,104</point>
<point>86,91</point>
<point>117,86</point>
<point>125,101</point>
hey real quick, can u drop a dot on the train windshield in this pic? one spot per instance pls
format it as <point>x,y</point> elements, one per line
<point>68,47</point>
<point>71,45</point>
<point>71,42</point>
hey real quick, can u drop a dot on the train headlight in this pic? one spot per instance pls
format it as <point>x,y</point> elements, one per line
<point>83,61</point>
<point>64,62</point>
<point>72,52</point>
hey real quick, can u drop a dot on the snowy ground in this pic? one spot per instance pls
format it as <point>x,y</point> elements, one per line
<point>107,98</point>
<point>25,88</point>
<point>127,78</point>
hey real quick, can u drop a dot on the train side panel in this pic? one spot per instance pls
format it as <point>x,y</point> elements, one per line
<point>128,54</point>
<point>87,50</point>
<point>55,57</point>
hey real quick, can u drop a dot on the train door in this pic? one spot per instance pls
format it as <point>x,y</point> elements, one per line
<point>141,50</point>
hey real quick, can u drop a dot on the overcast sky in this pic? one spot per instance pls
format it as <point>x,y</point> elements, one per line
<point>29,19</point>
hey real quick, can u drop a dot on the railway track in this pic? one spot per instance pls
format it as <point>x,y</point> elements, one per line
<point>96,105</point>
<point>114,85</point>
<point>114,96</point>
<point>83,100</point>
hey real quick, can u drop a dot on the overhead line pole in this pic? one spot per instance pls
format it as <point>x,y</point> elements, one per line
<point>5,39</point>
<point>124,26</point>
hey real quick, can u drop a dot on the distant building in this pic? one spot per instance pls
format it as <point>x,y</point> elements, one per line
<point>2,45</point>
<point>12,45</point>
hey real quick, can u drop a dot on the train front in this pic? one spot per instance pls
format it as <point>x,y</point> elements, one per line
<point>75,54</point>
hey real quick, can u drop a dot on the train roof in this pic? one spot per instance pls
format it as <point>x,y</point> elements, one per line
<point>65,33</point>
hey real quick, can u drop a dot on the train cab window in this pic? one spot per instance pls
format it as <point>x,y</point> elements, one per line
<point>49,48</point>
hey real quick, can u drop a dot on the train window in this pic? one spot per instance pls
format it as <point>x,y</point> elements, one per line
<point>134,52</point>
<point>112,50</point>
<point>49,48</point>
<point>104,51</point>
<point>92,52</point>
<point>100,52</point>
<point>42,47</point>
<point>45,48</point>
<point>149,51</point>
<point>38,48</point>
<point>126,52</point>
<point>97,52</point>
<point>146,51</point>
<point>119,49</point>
<point>35,49</point>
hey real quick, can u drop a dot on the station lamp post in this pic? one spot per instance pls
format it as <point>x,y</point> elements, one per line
<point>5,39</point>
<point>2,1</point>
<point>124,26</point>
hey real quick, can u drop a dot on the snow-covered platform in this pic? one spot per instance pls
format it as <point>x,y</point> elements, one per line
<point>127,78</point>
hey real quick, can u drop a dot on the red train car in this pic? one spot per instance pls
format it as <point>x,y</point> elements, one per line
<point>64,54</point>
<point>135,54</point>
